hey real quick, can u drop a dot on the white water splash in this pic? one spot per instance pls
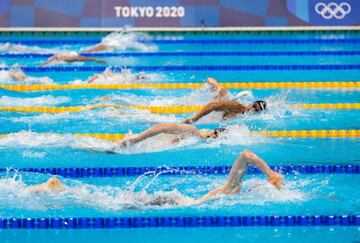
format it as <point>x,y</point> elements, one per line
<point>127,40</point>
<point>123,77</point>
<point>111,198</point>
<point>5,78</point>
<point>45,100</point>
<point>108,115</point>
<point>27,139</point>
<point>17,49</point>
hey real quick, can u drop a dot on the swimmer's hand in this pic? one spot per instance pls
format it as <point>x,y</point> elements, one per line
<point>276,180</point>
<point>125,142</point>
<point>187,121</point>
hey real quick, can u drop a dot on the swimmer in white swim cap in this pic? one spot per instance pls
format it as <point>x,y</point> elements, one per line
<point>223,103</point>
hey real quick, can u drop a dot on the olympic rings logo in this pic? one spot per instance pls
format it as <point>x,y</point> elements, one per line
<point>333,10</point>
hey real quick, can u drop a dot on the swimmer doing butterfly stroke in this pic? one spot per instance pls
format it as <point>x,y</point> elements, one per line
<point>232,185</point>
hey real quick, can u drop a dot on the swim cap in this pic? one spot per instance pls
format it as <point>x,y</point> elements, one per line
<point>259,105</point>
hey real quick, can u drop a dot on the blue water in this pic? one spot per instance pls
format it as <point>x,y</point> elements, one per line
<point>104,197</point>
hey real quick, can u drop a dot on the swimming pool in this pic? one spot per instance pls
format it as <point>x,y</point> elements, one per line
<point>313,141</point>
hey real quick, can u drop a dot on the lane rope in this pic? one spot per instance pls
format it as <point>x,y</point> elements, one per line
<point>331,133</point>
<point>183,170</point>
<point>228,85</point>
<point>179,221</point>
<point>166,54</point>
<point>192,68</point>
<point>161,109</point>
<point>192,41</point>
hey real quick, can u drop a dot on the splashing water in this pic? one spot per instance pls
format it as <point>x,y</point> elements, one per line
<point>234,135</point>
<point>5,78</point>
<point>111,198</point>
<point>199,96</point>
<point>123,77</point>
<point>127,40</point>
<point>36,101</point>
<point>15,49</point>
<point>110,116</point>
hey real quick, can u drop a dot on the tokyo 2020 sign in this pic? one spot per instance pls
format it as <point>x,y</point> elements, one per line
<point>177,13</point>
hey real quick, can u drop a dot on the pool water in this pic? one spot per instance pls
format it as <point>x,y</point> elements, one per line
<point>47,140</point>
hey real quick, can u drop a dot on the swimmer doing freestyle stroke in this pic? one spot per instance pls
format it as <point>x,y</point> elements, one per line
<point>226,104</point>
<point>232,185</point>
<point>70,57</point>
<point>180,132</point>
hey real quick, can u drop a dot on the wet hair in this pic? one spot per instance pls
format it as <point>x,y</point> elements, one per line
<point>261,104</point>
<point>161,201</point>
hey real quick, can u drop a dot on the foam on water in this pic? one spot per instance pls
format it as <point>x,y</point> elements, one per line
<point>131,195</point>
<point>5,78</point>
<point>128,40</point>
<point>104,198</point>
<point>111,116</point>
<point>235,135</point>
<point>199,96</point>
<point>15,49</point>
<point>123,77</point>
<point>45,100</point>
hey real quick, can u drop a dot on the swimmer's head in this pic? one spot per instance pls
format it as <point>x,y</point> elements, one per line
<point>54,185</point>
<point>53,182</point>
<point>259,105</point>
<point>140,76</point>
<point>211,134</point>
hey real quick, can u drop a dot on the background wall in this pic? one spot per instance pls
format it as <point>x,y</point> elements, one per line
<point>172,13</point>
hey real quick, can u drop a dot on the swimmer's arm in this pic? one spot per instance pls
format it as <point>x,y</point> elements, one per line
<point>98,47</point>
<point>209,195</point>
<point>220,91</point>
<point>17,75</point>
<point>213,106</point>
<point>229,115</point>
<point>84,58</point>
<point>92,78</point>
<point>239,169</point>
<point>50,60</point>
<point>37,188</point>
<point>171,128</point>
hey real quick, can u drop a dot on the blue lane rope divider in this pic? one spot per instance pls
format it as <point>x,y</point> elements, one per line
<point>191,68</point>
<point>185,170</point>
<point>160,54</point>
<point>179,222</point>
<point>193,41</point>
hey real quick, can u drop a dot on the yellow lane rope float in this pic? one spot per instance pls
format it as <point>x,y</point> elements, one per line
<point>271,133</point>
<point>228,85</point>
<point>162,109</point>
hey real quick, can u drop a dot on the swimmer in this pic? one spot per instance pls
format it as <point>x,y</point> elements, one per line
<point>122,40</point>
<point>181,130</point>
<point>124,77</point>
<point>224,94</point>
<point>70,57</point>
<point>53,186</point>
<point>224,103</point>
<point>17,75</point>
<point>232,185</point>
<point>97,48</point>
<point>229,109</point>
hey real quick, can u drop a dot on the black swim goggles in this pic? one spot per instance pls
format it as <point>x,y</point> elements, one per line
<point>259,105</point>
<point>217,131</point>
